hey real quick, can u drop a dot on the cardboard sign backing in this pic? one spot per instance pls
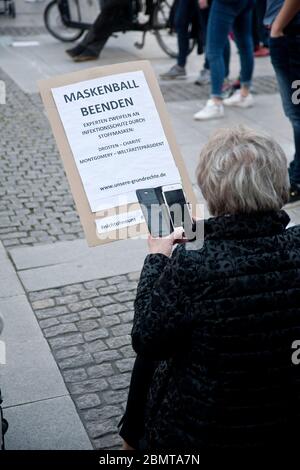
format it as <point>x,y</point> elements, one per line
<point>87,217</point>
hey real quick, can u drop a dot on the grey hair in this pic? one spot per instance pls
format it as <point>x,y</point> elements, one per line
<point>242,171</point>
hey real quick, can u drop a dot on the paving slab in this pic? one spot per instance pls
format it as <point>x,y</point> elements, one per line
<point>74,251</point>
<point>108,260</point>
<point>46,425</point>
<point>30,372</point>
<point>9,281</point>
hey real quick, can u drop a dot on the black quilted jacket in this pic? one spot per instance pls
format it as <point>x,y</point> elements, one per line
<point>221,320</point>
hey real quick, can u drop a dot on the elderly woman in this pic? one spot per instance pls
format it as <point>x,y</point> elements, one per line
<point>213,327</point>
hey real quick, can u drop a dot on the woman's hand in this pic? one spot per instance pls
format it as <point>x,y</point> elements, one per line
<point>126,446</point>
<point>164,245</point>
<point>276,31</point>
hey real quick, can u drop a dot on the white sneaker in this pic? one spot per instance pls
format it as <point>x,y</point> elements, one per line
<point>240,101</point>
<point>210,111</point>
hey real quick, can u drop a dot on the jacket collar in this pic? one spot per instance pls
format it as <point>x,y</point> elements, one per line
<point>239,226</point>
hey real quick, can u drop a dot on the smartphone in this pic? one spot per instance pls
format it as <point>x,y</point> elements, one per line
<point>155,211</point>
<point>179,209</point>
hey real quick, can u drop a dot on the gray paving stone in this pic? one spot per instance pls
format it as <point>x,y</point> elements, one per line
<point>101,301</point>
<point>127,286</point>
<point>125,296</point>
<point>121,330</point>
<point>90,400</point>
<point>46,294</point>
<point>66,299</point>
<point>49,322</point>
<point>68,352</point>
<point>96,346</point>
<point>96,429</point>
<point>95,284</point>
<point>51,312</point>
<point>63,341</point>
<point>59,330</point>
<point>113,309</point>
<point>79,306</point>
<point>69,318</point>
<point>114,396</point>
<point>87,325</point>
<point>45,303</point>
<point>72,289</point>
<point>76,361</point>
<point>103,370</point>
<point>107,290</point>
<point>127,316</point>
<point>96,334</point>
<point>119,381</point>
<point>74,375</point>
<point>88,386</point>
<point>125,365</point>
<point>109,321</point>
<point>89,314</point>
<point>108,356</point>
<point>115,343</point>
<point>88,294</point>
<point>111,441</point>
<point>116,279</point>
<point>127,351</point>
<point>102,414</point>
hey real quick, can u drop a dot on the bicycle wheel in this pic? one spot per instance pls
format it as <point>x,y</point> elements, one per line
<point>164,31</point>
<point>55,25</point>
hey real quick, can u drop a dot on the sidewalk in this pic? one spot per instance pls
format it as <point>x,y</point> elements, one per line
<point>68,308</point>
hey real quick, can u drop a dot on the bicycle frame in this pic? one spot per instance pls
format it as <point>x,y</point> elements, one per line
<point>63,6</point>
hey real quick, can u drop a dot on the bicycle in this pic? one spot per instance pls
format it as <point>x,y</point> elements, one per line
<point>63,20</point>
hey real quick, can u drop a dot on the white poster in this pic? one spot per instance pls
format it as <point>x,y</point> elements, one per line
<point>116,136</point>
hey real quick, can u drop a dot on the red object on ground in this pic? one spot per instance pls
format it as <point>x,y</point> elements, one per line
<point>262,52</point>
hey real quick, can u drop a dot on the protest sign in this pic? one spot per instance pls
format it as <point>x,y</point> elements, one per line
<point>114,136</point>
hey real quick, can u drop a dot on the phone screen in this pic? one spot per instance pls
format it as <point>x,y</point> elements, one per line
<point>179,211</point>
<point>155,212</point>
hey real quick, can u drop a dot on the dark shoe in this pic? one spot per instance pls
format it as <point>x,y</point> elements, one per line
<point>85,56</point>
<point>75,50</point>
<point>294,195</point>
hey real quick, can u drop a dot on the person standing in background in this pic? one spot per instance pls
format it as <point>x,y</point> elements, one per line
<point>114,14</point>
<point>260,33</point>
<point>186,12</point>
<point>226,16</point>
<point>204,75</point>
<point>283,19</point>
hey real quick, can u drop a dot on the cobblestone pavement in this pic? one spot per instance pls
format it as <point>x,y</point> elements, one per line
<point>22,30</point>
<point>36,205</point>
<point>88,327</point>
